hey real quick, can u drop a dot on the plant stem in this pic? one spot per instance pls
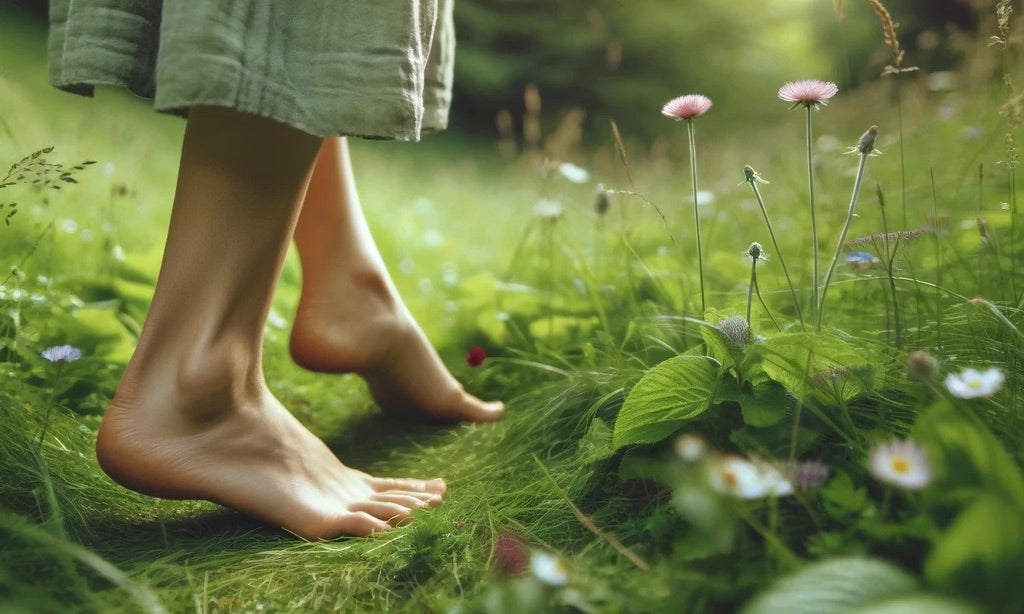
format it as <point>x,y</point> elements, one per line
<point>842,236</point>
<point>750,290</point>
<point>778,252</point>
<point>814,225</point>
<point>696,213</point>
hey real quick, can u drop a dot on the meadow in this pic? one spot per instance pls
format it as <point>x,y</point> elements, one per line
<point>762,423</point>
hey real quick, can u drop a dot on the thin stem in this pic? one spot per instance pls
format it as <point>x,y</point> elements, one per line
<point>778,251</point>
<point>814,224</point>
<point>696,214</point>
<point>842,236</point>
<point>757,291</point>
<point>750,290</point>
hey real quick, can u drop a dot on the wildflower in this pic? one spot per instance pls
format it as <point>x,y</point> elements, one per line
<point>549,568</point>
<point>807,475</point>
<point>549,210</point>
<point>810,93</point>
<point>750,175</point>
<point>972,384</point>
<point>901,463</point>
<point>885,237</point>
<point>510,554</point>
<point>573,173</point>
<point>737,329</point>
<point>745,479</point>
<point>686,107</point>
<point>922,366</point>
<point>755,252</point>
<point>866,143</point>
<point>861,260</point>
<point>691,448</point>
<point>62,353</point>
<point>476,356</point>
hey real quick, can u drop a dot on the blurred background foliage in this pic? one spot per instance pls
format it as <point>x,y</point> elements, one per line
<point>622,60</point>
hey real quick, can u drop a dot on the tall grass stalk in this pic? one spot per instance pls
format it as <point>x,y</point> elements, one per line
<point>865,147</point>
<point>814,225</point>
<point>752,178</point>
<point>696,212</point>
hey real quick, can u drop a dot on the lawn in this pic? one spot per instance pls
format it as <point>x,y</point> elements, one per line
<point>755,453</point>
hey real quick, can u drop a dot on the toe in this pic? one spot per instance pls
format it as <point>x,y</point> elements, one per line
<point>435,486</point>
<point>383,510</point>
<point>409,500</point>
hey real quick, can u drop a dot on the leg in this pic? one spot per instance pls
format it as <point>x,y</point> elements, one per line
<point>350,317</point>
<point>192,417</point>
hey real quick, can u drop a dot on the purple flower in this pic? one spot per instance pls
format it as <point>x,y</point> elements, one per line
<point>808,93</point>
<point>808,474</point>
<point>62,353</point>
<point>686,107</point>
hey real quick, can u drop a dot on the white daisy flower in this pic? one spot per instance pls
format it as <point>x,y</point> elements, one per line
<point>901,463</point>
<point>548,209</point>
<point>972,384</point>
<point>573,173</point>
<point>691,448</point>
<point>549,568</point>
<point>745,479</point>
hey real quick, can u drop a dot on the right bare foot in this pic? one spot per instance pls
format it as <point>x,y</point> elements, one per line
<point>247,452</point>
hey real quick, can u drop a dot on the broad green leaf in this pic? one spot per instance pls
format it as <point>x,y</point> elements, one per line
<point>846,585</point>
<point>721,348</point>
<point>670,394</point>
<point>966,454</point>
<point>982,553</point>
<point>815,363</point>
<point>922,603</point>
<point>765,407</point>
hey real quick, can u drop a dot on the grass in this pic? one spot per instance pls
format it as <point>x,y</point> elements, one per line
<point>593,341</point>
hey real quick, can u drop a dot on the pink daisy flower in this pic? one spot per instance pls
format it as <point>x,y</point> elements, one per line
<point>686,107</point>
<point>809,92</point>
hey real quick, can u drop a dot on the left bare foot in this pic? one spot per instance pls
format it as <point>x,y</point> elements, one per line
<point>355,323</point>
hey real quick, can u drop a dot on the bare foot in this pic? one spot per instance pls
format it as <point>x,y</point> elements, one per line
<point>247,452</point>
<point>355,323</point>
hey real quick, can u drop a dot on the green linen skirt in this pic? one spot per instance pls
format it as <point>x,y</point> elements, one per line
<point>370,68</point>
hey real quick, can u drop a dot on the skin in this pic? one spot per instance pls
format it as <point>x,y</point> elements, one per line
<point>192,417</point>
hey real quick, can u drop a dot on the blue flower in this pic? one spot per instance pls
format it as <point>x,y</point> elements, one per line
<point>62,353</point>
<point>861,261</point>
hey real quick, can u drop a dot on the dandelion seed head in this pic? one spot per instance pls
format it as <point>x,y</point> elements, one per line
<point>901,463</point>
<point>809,92</point>
<point>62,353</point>
<point>922,366</point>
<point>736,329</point>
<point>686,107</point>
<point>755,252</point>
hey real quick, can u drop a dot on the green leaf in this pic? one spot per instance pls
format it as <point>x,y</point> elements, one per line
<point>966,455</point>
<point>720,347</point>
<point>765,407</point>
<point>920,603</point>
<point>982,554</point>
<point>814,363</point>
<point>835,586</point>
<point>669,395</point>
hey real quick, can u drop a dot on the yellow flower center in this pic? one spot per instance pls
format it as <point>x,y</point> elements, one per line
<point>974,383</point>
<point>730,479</point>
<point>900,465</point>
